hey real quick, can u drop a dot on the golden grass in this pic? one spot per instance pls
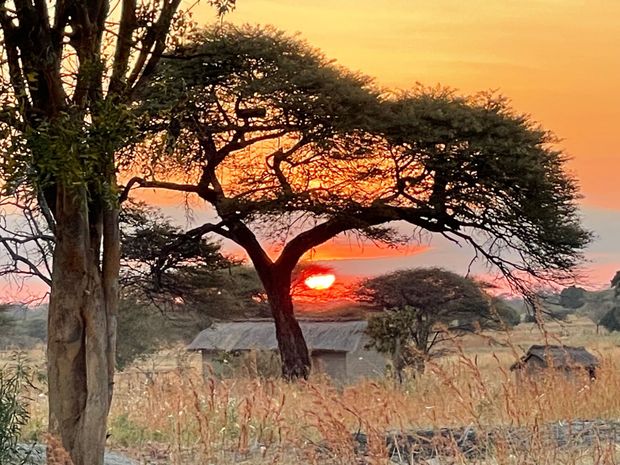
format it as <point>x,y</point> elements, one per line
<point>221,421</point>
<point>180,418</point>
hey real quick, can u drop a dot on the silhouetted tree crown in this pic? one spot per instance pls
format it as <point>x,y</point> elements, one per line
<point>280,140</point>
<point>271,129</point>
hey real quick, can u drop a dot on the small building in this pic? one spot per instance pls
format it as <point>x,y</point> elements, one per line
<point>572,362</point>
<point>337,347</point>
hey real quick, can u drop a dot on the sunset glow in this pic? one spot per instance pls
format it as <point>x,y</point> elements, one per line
<point>320,281</point>
<point>556,60</point>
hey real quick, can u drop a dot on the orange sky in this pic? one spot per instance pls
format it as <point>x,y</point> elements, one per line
<point>558,60</point>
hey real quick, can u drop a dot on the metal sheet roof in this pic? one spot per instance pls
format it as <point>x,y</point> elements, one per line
<point>336,336</point>
<point>560,357</point>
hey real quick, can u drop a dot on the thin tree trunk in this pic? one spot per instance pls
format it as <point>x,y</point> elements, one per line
<point>79,343</point>
<point>421,355</point>
<point>293,349</point>
<point>419,365</point>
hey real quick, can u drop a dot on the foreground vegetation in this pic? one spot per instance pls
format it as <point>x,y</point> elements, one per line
<point>165,413</point>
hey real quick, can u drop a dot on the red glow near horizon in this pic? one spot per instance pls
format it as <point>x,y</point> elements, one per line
<point>320,282</point>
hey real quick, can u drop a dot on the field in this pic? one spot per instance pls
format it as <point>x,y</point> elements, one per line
<point>164,412</point>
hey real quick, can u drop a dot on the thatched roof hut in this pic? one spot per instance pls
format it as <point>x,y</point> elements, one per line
<point>337,346</point>
<point>569,360</point>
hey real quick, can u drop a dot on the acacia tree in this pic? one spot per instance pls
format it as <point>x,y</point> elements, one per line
<point>238,101</point>
<point>70,70</point>
<point>159,263</point>
<point>421,308</point>
<point>277,138</point>
<point>178,273</point>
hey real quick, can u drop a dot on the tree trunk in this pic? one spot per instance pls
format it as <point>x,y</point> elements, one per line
<point>418,365</point>
<point>80,347</point>
<point>293,350</point>
<point>420,354</point>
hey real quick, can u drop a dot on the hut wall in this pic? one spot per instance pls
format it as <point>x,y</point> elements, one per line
<point>208,363</point>
<point>531,369</point>
<point>365,363</point>
<point>534,367</point>
<point>333,364</point>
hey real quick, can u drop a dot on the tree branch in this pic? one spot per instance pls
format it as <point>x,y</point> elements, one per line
<point>123,48</point>
<point>203,191</point>
<point>153,46</point>
<point>33,269</point>
<point>299,245</point>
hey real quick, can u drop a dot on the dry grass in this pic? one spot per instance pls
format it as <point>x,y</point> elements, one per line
<point>176,417</point>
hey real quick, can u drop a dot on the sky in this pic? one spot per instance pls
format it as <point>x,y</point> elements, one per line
<point>557,60</point>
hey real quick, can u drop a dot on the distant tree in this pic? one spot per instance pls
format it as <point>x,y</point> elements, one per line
<point>611,320</point>
<point>573,297</point>
<point>420,309</point>
<point>141,331</point>
<point>173,284</point>
<point>6,321</point>
<point>615,283</point>
<point>278,139</point>
<point>506,314</point>
<point>150,319</point>
<point>551,315</point>
<point>172,270</point>
<point>157,259</point>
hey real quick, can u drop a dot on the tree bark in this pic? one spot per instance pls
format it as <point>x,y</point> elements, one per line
<point>80,331</point>
<point>276,278</point>
<point>291,343</point>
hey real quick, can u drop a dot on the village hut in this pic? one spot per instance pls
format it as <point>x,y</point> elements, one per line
<point>572,362</point>
<point>337,347</point>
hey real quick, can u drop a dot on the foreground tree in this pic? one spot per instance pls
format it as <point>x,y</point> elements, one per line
<point>277,138</point>
<point>69,74</point>
<point>420,309</point>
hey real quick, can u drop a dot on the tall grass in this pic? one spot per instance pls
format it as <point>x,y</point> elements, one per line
<point>173,416</point>
<point>182,416</point>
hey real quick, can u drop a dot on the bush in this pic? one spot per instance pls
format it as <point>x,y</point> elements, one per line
<point>13,413</point>
<point>610,320</point>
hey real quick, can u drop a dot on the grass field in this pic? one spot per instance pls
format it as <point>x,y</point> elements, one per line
<point>164,412</point>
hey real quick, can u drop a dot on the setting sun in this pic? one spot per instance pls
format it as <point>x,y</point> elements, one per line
<point>320,281</point>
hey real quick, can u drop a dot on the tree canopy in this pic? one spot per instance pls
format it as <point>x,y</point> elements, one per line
<point>422,307</point>
<point>278,139</point>
<point>572,297</point>
<point>265,127</point>
<point>487,176</point>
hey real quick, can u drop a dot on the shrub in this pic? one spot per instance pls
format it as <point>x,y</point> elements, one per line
<point>13,413</point>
